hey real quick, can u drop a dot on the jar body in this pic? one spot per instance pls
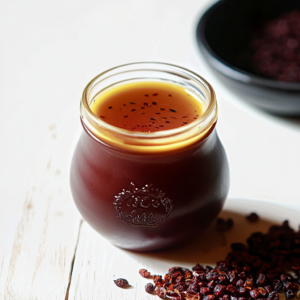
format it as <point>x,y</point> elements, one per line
<point>147,202</point>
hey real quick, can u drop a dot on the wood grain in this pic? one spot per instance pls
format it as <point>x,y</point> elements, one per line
<point>97,262</point>
<point>39,231</point>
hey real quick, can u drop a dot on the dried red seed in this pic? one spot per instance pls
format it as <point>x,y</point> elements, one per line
<point>261,280</point>
<point>168,278</point>
<point>290,294</point>
<point>268,288</point>
<point>157,277</point>
<point>121,282</point>
<point>242,291</point>
<point>294,287</point>
<point>193,287</point>
<point>175,269</point>
<point>181,286</point>
<point>173,295</point>
<point>144,273</point>
<point>188,274</point>
<point>219,290</point>
<point>161,292</point>
<point>231,289</point>
<point>190,295</point>
<point>286,285</point>
<point>169,286</point>
<point>275,48</point>
<point>205,290</point>
<point>198,267</point>
<point>262,292</point>
<point>209,297</point>
<point>223,279</point>
<point>267,263</point>
<point>253,217</point>
<point>242,275</point>
<point>149,288</point>
<point>180,279</point>
<point>212,284</point>
<point>254,293</point>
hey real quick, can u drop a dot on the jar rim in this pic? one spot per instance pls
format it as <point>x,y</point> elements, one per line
<point>148,139</point>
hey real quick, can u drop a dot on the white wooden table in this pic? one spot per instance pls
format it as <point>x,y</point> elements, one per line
<point>49,51</point>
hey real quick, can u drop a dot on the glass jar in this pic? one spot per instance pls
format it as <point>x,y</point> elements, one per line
<point>149,190</point>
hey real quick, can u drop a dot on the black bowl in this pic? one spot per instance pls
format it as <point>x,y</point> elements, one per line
<point>223,34</point>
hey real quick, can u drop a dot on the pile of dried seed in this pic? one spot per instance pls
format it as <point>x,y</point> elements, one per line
<point>259,270</point>
<point>276,48</point>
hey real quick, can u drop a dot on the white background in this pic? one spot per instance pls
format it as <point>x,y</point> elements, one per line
<point>49,50</point>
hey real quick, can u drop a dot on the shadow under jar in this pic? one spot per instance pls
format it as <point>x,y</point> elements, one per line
<point>149,190</point>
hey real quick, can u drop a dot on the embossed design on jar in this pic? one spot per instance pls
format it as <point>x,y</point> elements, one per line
<point>147,207</point>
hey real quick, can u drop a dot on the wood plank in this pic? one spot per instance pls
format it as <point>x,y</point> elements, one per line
<point>98,263</point>
<point>39,231</point>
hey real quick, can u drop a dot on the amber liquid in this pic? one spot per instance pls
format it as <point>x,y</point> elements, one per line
<point>192,180</point>
<point>147,106</point>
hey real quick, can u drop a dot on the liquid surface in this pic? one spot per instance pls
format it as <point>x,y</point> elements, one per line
<point>147,106</point>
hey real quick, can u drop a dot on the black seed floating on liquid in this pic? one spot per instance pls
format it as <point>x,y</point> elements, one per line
<point>131,102</point>
<point>125,116</point>
<point>124,104</point>
<point>146,95</point>
<point>157,113</point>
<point>102,117</point>
<point>162,109</point>
<point>133,110</point>
<point>142,107</point>
<point>146,104</point>
<point>110,107</point>
<point>154,94</point>
<point>170,95</point>
<point>172,110</point>
<point>154,103</point>
<point>167,122</point>
<point>152,119</point>
<point>161,126</point>
<point>184,122</point>
<point>184,117</point>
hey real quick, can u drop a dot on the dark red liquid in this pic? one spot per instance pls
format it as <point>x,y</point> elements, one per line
<point>147,106</point>
<point>195,180</point>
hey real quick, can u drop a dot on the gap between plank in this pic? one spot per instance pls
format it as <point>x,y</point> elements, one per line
<point>73,260</point>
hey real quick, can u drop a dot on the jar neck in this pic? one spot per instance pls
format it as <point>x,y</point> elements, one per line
<point>150,142</point>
